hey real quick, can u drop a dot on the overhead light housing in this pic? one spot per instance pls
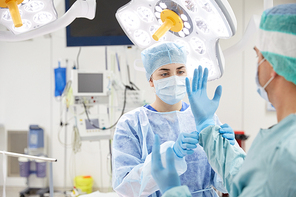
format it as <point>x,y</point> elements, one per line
<point>196,24</point>
<point>26,15</point>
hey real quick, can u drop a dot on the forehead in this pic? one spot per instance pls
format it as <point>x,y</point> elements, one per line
<point>172,66</point>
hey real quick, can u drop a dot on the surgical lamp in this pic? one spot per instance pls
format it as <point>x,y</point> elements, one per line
<point>39,17</point>
<point>196,24</point>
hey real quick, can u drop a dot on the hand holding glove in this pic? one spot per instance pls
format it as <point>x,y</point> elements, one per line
<point>202,107</point>
<point>166,178</point>
<point>185,143</point>
<point>228,133</point>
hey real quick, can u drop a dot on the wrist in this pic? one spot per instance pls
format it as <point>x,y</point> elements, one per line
<point>204,124</point>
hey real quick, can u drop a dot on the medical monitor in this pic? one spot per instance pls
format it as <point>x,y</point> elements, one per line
<point>103,30</point>
<point>89,83</point>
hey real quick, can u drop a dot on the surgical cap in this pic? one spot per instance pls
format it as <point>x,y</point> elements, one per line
<point>277,39</point>
<point>162,54</point>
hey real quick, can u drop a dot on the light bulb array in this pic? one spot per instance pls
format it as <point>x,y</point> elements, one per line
<point>34,14</point>
<point>204,23</point>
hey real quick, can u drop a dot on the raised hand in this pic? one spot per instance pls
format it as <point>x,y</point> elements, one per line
<point>202,107</point>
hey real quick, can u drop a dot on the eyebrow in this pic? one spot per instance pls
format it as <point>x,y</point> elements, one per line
<point>165,69</point>
<point>181,67</point>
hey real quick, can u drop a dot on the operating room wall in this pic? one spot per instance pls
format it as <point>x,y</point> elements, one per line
<point>27,92</point>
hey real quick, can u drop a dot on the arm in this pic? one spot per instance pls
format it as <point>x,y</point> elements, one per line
<point>132,164</point>
<point>225,159</point>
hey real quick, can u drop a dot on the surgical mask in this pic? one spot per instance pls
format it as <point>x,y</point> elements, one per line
<point>261,90</point>
<point>170,90</point>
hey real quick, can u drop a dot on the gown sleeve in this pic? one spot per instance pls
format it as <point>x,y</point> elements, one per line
<point>224,158</point>
<point>181,191</point>
<point>131,163</point>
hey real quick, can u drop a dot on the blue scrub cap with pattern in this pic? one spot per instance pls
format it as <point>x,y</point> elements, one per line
<point>161,54</point>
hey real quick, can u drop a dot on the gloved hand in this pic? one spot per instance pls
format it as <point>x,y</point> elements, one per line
<point>202,107</point>
<point>185,143</point>
<point>166,178</point>
<point>228,133</point>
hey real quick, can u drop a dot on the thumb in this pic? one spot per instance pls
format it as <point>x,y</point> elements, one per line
<point>218,93</point>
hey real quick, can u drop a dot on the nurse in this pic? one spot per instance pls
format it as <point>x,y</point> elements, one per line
<point>170,118</point>
<point>269,168</point>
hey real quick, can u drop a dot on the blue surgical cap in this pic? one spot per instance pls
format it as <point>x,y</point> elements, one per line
<point>277,39</point>
<point>162,54</point>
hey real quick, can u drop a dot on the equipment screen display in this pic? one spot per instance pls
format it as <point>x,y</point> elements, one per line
<point>103,30</point>
<point>90,83</point>
<point>88,125</point>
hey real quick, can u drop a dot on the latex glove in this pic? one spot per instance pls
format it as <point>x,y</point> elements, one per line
<point>185,143</point>
<point>228,133</point>
<point>166,178</point>
<point>202,107</point>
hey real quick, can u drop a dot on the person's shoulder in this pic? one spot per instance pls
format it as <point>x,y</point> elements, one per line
<point>132,115</point>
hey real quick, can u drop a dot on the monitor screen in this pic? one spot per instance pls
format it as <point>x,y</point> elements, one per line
<point>90,83</point>
<point>102,30</point>
<point>89,125</point>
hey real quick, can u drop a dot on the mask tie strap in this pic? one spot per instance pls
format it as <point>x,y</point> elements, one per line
<point>268,82</point>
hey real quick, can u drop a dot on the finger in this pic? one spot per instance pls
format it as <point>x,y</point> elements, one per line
<point>156,158</point>
<point>188,152</point>
<point>189,135</point>
<point>222,131</point>
<point>225,125</point>
<point>199,77</point>
<point>218,93</point>
<point>170,160</point>
<point>195,80</point>
<point>226,130</point>
<point>205,79</point>
<point>232,142</point>
<point>188,87</point>
<point>188,146</point>
<point>228,136</point>
<point>190,140</point>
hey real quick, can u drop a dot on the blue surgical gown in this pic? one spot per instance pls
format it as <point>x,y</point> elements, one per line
<point>269,169</point>
<point>132,146</point>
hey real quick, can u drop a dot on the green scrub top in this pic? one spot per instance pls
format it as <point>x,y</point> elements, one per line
<point>269,169</point>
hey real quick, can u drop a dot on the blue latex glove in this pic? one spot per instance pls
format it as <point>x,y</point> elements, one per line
<point>185,143</point>
<point>202,107</point>
<point>166,178</point>
<point>228,133</point>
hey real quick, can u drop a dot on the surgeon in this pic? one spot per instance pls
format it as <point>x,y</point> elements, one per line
<point>170,118</point>
<point>269,168</point>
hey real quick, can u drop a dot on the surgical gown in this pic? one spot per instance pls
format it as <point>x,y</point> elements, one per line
<point>132,147</point>
<point>269,169</point>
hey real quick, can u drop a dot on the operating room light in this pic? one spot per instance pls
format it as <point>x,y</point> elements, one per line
<point>201,23</point>
<point>42,17</point>
<point>25,27</point>
<point>34,6</point>
<point>34,14</point>
<point>142,37</point>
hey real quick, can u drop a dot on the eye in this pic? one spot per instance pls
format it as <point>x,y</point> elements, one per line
<point>164,74</point>
<point>181,72</point>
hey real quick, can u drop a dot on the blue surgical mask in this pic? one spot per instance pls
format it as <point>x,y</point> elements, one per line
<point>261,90</point>
<point>170,90</point>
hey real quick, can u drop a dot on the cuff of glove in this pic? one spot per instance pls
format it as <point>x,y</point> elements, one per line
<point>177,192</point>
<point>204,124</point>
